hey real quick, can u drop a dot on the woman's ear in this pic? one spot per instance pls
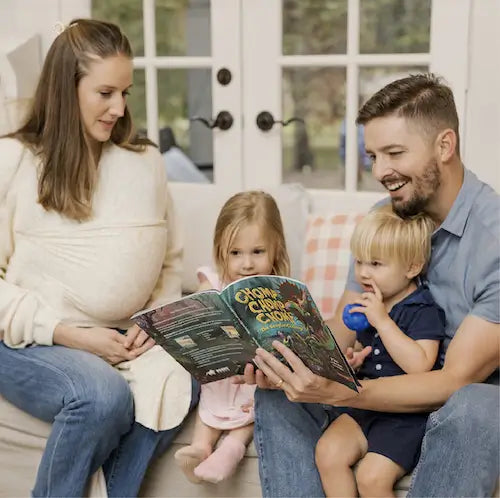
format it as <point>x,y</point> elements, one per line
<point>414,270</point>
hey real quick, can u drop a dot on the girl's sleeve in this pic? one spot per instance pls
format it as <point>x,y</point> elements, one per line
<point>23,318</point>
<point>209,275</point>
<point>168,287</point>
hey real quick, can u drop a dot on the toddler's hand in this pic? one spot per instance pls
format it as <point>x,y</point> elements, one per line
<point>372,305</point>
<point>356,358</point>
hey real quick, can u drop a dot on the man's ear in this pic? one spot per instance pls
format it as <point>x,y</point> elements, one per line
<point>446,143</point>
<point>414,270</point>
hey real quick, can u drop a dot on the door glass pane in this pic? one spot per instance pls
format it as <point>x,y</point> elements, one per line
<point>314,27</point>
<point>186,145</point>
<point>311,151</point>
<point>127,14</point>
<point>394,26</point>
<point>372,79</point>
<point>183,27</point>
<point>136,102</point>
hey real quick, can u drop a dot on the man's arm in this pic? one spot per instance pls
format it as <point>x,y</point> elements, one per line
<point>472,355</point>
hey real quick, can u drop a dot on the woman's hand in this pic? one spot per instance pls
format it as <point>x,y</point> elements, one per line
<point>299,383</point>
<point>138,341</point>
<point>106,343</point>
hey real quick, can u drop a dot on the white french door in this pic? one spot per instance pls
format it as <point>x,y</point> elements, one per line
<point>312,60</point>
<point>205,96</point>
<point>318,60</point>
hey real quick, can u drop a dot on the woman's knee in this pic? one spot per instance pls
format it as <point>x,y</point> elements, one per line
<point>107,398</point>
<point>117,400</point>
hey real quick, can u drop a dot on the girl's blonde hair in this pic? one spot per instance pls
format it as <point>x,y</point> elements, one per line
<point>383,234</point>
<point>243,209</point>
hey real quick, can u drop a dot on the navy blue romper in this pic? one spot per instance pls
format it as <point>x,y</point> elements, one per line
<point>398,436</point>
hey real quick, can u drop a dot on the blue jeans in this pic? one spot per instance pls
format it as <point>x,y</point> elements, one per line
<point>91,410</point>
<point>459,452</point>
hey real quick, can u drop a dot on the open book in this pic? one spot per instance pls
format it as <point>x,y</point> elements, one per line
<point>215,334</point>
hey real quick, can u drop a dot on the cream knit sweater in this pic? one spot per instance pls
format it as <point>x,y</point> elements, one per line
<point>94,273</point>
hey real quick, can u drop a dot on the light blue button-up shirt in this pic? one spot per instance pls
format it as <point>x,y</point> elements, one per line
<point>464,270</point>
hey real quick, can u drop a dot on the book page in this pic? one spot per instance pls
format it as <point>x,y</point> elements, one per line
<point>202,334</point>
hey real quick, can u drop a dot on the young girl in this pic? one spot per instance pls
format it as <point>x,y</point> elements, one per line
<point>406,327</point>
<point>248,240</point>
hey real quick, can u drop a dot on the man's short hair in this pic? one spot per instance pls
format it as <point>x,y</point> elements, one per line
<point>421,98</point>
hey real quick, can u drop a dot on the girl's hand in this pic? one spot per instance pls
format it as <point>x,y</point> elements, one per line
<point>371,304</point>
<point>298,382</point>
<point>248,406</point>
<point>138,341</point>
<point>356,358</point>
<point>253,376</point>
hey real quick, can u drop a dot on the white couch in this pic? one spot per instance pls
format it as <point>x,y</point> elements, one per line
<point>164,479</point>
<point>22,437</point>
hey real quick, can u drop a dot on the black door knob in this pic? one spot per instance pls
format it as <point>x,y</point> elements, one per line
<point>265,121</point>
<point>224,76</point>
<point>223,121</point>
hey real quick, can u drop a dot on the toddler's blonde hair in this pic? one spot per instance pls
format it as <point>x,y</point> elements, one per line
<point>383,234</point>
<point>243,209</point>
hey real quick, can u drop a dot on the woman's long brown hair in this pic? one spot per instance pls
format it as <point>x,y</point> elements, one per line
<point>53,129</point>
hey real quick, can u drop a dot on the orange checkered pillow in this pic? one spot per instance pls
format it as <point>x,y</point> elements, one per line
<point>326,258</point>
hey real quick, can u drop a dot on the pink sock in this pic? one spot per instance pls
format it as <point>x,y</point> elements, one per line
<point>187,458</point>
<point>222,462</point>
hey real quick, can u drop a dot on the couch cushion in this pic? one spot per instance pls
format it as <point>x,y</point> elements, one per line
<point>326,257</point>
<point>23,424</point>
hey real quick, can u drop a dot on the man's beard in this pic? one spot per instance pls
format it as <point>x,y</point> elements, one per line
<point>425,187</point>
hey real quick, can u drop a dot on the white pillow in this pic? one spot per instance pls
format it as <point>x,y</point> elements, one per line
<point>198,213</point>
<point>12,112</point>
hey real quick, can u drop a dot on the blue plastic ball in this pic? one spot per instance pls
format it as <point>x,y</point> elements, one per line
<point>355,321</point>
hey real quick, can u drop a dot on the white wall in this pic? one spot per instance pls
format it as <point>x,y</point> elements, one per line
<point>20,19</point>
<point>482,122</point>
<point>450,21</point>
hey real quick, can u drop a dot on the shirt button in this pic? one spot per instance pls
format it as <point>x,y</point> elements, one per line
<point>378,366</point>
<point>377,351</point>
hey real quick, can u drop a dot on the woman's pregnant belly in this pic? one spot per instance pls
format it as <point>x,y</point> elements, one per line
<point>103,274</point>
